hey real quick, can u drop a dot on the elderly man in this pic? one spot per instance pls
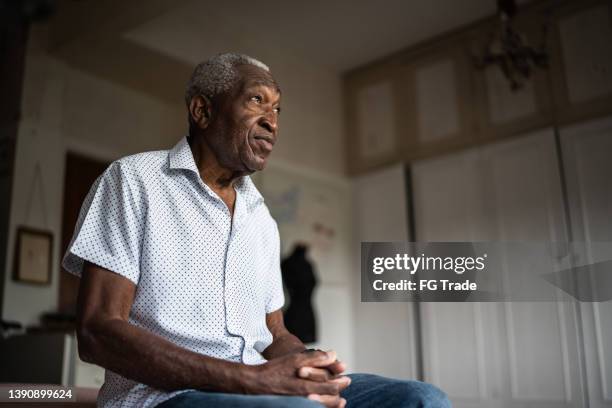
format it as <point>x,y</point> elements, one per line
<point>181,294</point>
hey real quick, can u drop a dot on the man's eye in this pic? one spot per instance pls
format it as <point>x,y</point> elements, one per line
<point>256,98</point>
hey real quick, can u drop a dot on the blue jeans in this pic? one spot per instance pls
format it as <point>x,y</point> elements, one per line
<point>366,390</point>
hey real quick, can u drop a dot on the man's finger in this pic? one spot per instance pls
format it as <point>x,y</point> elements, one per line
<point>315,374</point>
<point>342,382</point>
<point>317,358</point>
<point>330,401</point>
<point>320,388</point>
<point>337,367</point>
<point>322,375</point>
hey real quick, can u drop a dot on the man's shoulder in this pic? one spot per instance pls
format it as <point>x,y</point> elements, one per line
<point>144,161</point>
<point>140,167</point>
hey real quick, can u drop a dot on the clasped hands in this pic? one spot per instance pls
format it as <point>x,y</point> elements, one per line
<point>329,369</point>
<point>312,373</point>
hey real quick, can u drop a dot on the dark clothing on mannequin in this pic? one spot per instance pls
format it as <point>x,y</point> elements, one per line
<point>300,281</point>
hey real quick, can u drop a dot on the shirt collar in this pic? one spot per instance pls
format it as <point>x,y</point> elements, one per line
<point>249,192</point>
<point>181,157</point>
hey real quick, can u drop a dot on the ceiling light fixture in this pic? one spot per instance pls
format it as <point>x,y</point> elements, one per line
<point>509,49</point>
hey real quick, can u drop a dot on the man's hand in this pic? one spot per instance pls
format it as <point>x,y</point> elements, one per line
<point>307,367</point>
<point>280,376</point>
<point>323,374</point>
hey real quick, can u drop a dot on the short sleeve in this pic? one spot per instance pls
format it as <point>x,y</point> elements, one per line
<point>276,296</point>
<point>109,230</point>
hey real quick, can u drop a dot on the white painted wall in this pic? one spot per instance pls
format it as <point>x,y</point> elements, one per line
<point>326,200</point>
<point>65,109</point>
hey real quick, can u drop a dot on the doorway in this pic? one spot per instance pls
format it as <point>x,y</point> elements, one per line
<point>81,173</point>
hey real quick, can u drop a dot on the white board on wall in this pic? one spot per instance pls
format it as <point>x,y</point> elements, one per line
<point>311,209</point>
<point>317,209</point>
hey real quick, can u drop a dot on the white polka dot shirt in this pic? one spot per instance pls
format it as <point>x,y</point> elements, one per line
<point>204,281</point>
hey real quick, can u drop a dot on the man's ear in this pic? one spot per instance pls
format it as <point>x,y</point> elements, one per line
<point>200,110</point>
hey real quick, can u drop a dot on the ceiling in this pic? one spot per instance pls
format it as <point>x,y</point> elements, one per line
<point>152,45</point>
<point>338,35</point>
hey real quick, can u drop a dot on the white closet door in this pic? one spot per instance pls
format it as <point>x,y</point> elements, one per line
<point>587,153</point>
<point>459,339</point>
<point>498,354</point>
<point>384,333</point>
<point>524,186</point>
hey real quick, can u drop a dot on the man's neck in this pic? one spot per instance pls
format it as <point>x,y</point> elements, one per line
<point>211,171</point>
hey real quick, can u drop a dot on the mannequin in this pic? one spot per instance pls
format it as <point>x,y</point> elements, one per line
<point>300,281</point>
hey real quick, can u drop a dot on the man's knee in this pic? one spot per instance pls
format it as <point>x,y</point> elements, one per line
<point>199,399</point>
<point>395,393</point>
<point>422,395</point>
<point>297,402</point>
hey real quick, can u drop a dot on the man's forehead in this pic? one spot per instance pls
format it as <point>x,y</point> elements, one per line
<point>252,76</point>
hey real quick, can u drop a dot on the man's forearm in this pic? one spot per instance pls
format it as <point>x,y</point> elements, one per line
<point>283,345</point>
<point>142,356</point>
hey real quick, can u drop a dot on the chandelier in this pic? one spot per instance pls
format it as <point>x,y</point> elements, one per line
<point>510,51</point>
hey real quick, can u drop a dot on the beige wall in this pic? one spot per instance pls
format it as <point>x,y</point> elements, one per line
<point>311,127</point>
<point>64,109</point>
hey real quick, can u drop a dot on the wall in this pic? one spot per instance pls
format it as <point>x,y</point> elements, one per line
<point>65,109</point>
<point>301,199</point>
<point>311,127</point>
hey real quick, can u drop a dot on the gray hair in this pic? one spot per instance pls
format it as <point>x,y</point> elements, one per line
<point>217,75</point>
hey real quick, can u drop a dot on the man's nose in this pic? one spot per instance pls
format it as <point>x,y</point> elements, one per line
<point>269,122</point>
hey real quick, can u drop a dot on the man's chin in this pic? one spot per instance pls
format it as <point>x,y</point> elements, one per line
<point>255,165</point>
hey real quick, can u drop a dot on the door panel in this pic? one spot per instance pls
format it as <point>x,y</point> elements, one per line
<point>525,187</point>
<point>505,354</point>
<point>81,172</point>
<point>587,152</point>
<point>450,205</point>
<point>380,199</point>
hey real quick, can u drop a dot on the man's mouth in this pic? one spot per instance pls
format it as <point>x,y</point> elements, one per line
<point>266,142</point>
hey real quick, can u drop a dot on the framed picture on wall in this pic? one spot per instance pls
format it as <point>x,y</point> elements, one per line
<point>33,250</point>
